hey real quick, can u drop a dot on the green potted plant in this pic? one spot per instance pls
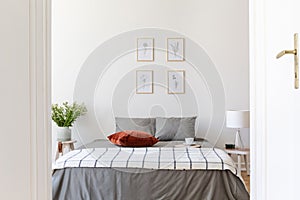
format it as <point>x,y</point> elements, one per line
<point>64,116</point>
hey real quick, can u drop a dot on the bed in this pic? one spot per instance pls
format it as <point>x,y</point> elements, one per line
<point>167,170</point>
<point>211,176</point>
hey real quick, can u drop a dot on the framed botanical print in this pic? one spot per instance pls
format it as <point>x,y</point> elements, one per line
<point>175,49</point>
<point>144,81</point>
<point>145,49</point>
<point>176,82</point>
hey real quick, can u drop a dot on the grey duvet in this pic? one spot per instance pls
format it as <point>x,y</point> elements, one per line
<point>120,184</point>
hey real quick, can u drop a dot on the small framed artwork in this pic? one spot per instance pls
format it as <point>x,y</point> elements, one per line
<point>144,81</point>
<point>175,49</point>
<point>145,49</point>
<point>176,82</point>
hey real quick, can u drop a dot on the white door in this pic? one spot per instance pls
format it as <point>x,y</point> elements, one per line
<point>277,135</point>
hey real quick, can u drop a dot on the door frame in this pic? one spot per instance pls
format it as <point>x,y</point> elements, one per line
<point>258,96</point>
<point>40,98</point>
<point>40,84</point>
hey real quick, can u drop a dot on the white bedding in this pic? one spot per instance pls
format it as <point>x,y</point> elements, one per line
<point>174,158</point>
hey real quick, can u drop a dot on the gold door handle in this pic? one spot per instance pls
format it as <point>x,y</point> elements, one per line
<point>296,59</point>
<point>282,53</point>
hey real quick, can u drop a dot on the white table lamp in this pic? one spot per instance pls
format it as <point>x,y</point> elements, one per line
<point>237,119</point>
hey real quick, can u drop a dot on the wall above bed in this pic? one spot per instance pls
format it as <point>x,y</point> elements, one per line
<point>106,83</point>
<point>80,30</point>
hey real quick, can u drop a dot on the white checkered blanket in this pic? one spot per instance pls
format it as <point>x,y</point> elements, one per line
<point>149,158</point>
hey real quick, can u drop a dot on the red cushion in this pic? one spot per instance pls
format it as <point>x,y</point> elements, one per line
<point>132,138</point>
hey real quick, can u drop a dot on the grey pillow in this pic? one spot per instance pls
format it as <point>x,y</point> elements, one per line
<point>139,124</point>
<point>175,128</point>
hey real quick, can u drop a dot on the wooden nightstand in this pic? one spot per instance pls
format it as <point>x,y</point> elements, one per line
<point>239,153</point>
<point>64,147</point>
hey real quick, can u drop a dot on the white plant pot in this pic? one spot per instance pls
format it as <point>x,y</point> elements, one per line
<point>63,134</point>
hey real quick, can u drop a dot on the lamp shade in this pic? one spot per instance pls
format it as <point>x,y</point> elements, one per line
<point>237,119</point>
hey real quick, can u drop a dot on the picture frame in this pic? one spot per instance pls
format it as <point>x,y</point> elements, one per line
<point>175,49</point>
<point>144,82</point>
<point>176,82</point>
<point>145,49</point>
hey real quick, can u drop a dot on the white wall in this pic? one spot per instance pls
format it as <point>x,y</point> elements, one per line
<point>14,88</point>
<point>219,27</point>
<point>106,84</point>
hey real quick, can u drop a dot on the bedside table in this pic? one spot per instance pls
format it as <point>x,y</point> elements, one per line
<point>64,147</point>
<point>240,152</point>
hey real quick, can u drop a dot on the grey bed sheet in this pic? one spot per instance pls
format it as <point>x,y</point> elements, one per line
<point>145,184</point>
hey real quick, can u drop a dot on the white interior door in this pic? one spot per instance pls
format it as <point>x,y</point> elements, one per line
<point>280,132</point>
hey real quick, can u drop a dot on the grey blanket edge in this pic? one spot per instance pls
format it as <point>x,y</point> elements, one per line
<point>143,184</point>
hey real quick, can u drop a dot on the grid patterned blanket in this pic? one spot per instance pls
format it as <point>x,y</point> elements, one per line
<point>149,158</point>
